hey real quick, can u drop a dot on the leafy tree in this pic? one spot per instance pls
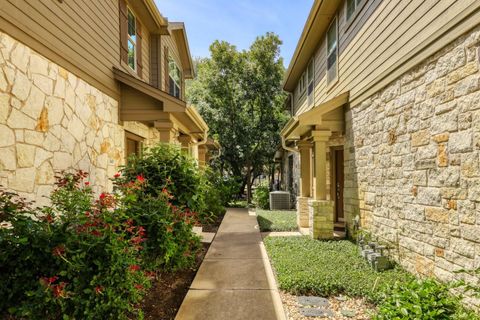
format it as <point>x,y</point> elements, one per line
<point>239,93</point>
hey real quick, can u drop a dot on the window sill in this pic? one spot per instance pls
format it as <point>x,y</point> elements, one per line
<point>331,84</point>
<point>129,70</point>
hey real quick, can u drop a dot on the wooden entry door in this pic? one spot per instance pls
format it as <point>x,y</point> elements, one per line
<point>339,184</point>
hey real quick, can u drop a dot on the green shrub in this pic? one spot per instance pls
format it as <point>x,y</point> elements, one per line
<point>277,220</point>
<point>418,299</point>
<point>78,259</point>
<point>261,196</point>
<point>212,186</point>
<point>170,244</point>
<point>307,266</point>
<point>167,168</point>
<point>225,187</point>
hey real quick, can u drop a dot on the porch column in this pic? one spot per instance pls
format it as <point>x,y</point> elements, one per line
<point>321,209</point>
<point>320,139</point>
<point>305,175</point>
<point>305,148</point>
<point>185,141</point>
<point>168,132</point>
<point>202,154</point>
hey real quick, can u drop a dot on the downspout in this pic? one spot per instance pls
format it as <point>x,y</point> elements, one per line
<point>284,146</point>
<point>203,141</point>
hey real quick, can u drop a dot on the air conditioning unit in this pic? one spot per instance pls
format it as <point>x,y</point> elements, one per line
<point>279,200</point>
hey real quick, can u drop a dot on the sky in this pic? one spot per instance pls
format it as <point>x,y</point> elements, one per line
<point>238,22</point>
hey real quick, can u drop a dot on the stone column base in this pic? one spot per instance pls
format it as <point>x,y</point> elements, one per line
<point>321,219</point>
<point>302,212</point>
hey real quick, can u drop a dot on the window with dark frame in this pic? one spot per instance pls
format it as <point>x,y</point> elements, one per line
<point>332,51</point>
<point>132,40</point>
<point>175,78</point>
<point>352,6</point>
<point>310,81</point>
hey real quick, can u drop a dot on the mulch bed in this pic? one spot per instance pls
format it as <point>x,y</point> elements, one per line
<point>213,227</point>
<point>167,293</point>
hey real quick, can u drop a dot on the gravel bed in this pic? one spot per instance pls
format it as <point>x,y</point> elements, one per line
<point>362,309</point>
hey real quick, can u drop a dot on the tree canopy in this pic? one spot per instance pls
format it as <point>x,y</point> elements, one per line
<point>239,94</point>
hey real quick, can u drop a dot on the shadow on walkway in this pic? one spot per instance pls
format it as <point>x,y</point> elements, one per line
<point>235,281</point>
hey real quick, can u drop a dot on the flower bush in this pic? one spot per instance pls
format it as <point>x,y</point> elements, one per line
<point>168,169</point>
<point>170,244</point>
<point>88,257</point>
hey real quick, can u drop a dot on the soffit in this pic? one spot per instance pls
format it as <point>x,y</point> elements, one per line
<point>313,33</point>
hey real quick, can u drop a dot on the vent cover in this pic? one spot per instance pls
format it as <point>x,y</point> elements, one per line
<point>279,200</point>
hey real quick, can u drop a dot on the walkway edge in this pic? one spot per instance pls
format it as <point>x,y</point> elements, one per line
<point>277,301</point>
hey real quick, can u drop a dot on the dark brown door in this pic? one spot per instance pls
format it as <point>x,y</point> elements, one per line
<point>339,185</point>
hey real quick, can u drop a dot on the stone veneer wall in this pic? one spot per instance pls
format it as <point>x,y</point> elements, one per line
<point>296,171</point>
<point>412,162</point>
<point>50,120</point>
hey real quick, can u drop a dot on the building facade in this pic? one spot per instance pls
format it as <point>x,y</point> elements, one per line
<point>83,84</point>
<point>385,103</point>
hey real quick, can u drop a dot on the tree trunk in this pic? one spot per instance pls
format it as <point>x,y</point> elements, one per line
<point>272,176</point>
<point>249,184</point>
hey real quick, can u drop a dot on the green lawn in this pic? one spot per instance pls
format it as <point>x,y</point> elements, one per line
<point>276,220</point>
<point>306,266</point>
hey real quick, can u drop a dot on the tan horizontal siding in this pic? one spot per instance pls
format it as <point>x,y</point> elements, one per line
<point>348,30</point>
<point>69,34</point>
<point>99,11</point>
<point>145,54</point>
<point>82,21</point>
<point>382,34</point>
<point>39,27</point>
<point>418,25</point>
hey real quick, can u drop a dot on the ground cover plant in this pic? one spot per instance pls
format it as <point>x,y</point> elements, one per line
<point>422,299</point>
<point>277,220</point>
<point>326,268</point>
<point>306,266</point>
<point>88,257</point>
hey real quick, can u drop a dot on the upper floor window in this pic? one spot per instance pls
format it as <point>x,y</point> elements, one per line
<point>352,5</point>
<point>302,85</point>
<point>132,40</point>
<point>175,78</point>
<point>332,51</point>
<point>310,83</point>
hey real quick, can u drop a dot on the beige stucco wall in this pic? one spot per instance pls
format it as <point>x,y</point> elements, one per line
<point>412,162</point>
<point>51,120</point>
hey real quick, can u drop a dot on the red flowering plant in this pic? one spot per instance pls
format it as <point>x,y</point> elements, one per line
<point>89,249</point>
<point>168,227</point>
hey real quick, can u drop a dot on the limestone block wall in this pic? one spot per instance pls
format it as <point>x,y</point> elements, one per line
<point>50,120</point>
<point>412,162</point>
<point>296,171</point>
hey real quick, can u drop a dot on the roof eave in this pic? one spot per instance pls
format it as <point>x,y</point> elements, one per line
<point>315,27</point>
<point>187,62</point>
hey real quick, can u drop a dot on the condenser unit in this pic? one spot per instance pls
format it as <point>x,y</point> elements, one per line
<point>279,200</point>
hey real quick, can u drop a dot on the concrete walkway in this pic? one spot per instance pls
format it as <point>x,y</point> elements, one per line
<point>235,281</point>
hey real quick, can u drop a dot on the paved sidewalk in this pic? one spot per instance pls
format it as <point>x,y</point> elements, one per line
<point>235,281</point>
